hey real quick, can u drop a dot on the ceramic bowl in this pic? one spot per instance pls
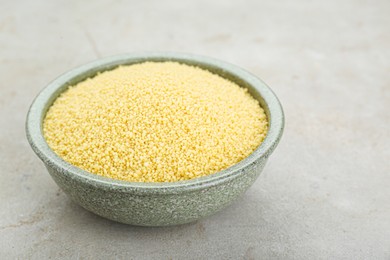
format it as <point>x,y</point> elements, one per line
<point>155,204</point>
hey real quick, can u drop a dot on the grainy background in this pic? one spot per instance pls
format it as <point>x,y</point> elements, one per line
<point>325,193</point>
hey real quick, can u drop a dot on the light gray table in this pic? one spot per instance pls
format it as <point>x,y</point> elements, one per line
<point>325,193</point>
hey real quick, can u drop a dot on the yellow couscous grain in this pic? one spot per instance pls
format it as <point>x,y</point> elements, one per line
<point>155,122</point>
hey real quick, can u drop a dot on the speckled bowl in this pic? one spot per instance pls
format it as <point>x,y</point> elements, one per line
<point>155,204</point>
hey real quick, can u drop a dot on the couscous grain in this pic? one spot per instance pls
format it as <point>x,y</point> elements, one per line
<point>155,122</point>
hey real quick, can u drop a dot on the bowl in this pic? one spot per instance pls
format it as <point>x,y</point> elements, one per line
<point>155,204</point>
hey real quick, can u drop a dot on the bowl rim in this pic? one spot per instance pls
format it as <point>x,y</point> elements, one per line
<point>38,108</point>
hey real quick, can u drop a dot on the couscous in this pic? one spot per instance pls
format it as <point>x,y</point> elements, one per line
<point>155,122</point>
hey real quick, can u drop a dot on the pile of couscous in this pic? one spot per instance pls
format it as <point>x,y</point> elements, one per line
<point>155,122</point>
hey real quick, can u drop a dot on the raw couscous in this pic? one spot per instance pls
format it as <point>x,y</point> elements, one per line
<point>155,122</point>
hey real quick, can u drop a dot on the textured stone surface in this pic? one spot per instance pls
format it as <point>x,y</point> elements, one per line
<point>324,192</point>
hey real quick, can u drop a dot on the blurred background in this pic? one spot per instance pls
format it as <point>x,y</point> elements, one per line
<point>325,191</point>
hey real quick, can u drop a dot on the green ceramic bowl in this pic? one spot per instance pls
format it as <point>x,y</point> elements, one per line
<point>155,204</point>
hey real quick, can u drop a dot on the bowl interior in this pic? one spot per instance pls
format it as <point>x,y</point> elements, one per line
<point>255,86</point>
